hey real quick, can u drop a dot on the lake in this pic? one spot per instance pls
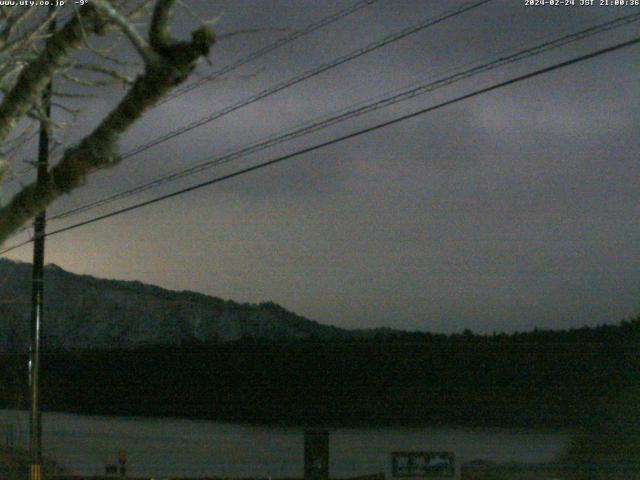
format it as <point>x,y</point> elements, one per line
<point>178,447</point>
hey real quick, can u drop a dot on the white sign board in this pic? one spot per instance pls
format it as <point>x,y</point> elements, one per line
<point>422,464</point>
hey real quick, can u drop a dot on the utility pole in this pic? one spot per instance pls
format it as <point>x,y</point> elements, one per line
<point>37,288</point>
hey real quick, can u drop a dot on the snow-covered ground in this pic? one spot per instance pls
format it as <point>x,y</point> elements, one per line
<point>178,447</point>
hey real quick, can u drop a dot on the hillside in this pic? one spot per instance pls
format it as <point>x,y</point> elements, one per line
<point>116,347</point>
<point>535,379</point>
<point>84,312</point>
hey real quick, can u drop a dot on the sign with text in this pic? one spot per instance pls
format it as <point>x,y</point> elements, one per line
<point>422,464</point>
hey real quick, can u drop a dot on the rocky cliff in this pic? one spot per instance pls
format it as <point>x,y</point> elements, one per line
<point>87,312</point>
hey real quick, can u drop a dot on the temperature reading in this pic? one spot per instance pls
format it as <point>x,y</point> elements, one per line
<point>81,2</point>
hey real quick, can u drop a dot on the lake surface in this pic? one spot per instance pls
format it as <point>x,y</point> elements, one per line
<point>179,447</point>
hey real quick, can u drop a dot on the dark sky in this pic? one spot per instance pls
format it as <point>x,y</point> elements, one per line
<point>512,210</point>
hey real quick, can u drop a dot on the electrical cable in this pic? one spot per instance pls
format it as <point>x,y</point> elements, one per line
<point>269,48</point>
<point>394,37</point>
<point>342,138</point>
<point>328,20</point>
<point>355,112</point>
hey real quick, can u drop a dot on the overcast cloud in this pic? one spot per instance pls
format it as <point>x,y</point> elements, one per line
<point>512,210</point>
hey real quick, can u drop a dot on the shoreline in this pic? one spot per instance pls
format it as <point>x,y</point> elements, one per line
<point>296,424</point>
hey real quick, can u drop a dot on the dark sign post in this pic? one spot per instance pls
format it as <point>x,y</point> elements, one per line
<point>422,464</point>
<point>122,460</point>
<point>316,455</point>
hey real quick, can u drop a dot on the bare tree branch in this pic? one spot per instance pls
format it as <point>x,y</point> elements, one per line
<point>159,34</point>
<point>170,65</point>
<point>112,73</point>
<point>127,28</point>
<point>34,77</point>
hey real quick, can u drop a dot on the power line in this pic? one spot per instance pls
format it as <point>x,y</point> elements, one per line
<point>342,138</point>
<point>312,27</point>
<point>313,72</point>
<point>270,48</point>
<point>501,61</point>
<point>355,112</point>
<point>394,37</point>
<point>13,247</point>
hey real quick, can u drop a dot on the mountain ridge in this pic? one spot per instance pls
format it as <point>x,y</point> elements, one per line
<point>83,311</point>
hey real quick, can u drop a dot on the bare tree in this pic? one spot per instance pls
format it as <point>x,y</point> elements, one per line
<point>30,57</point>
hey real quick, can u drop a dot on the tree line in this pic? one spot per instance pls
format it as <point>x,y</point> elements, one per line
<point>541,378</point>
